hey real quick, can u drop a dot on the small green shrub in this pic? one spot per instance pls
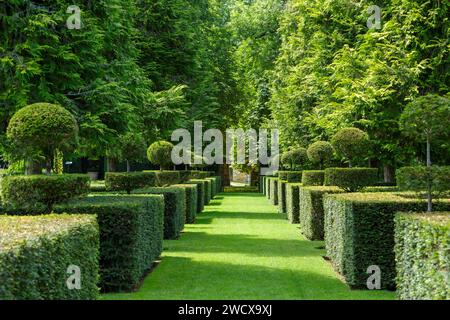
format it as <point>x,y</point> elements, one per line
<point>290,176</point>
<point>37,251</point>
<point>131,233</point>
<point>417,179</point>
<point>213,186</point>
<point>201,185</point>
<point>294,158</point>
<point>185,175</point>
<point>191,201</point>
<point>273,191</point>
<point>39,193</point>
<point>160,153</point>
<point>174,209</point>
<point>98,186</point>
<point>129,181</point>
<point>208,190</point>
<point>282,197</point>
<point>359,232</point>
<point>350,143</point>
<point>313,177</point>
<point>311,210</point>
<point>320,152</point>
<point>165,178</point>
<point>422,256</point>
<point>292,202</point>
<point>351,179</point>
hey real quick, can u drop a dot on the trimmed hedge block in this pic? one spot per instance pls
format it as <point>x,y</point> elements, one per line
<point>201,184</point>
<point>273,191</point>
<point>313,177</point>
<point>174,209</point>
<point>359,233</point>
<point>282,197</point>
<point>351,179</point>
<point>129,181</point>
<point>422,256</point>
<point>199,174</point>
<point>39,193</point>
<point>213,186</point>
<point>37,251</point>
<point>290,176</point>
<point>208,190</point>
<point>131,233</point>
<point>191,201</point>
<point>292,202</point>
<point>311,210</point>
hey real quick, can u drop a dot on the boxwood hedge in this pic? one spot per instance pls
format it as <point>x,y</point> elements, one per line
<point>292,202</point>
<point>311,216</point>
<point>131,233</point>
<point>290,176</point>
<point>273,191</point>
<point>313,177</point>
<point>195,174</point>
<point>422,255</point>
<point>282,197</point>
<point>351,179</point>
<point>129,181</point>
<point>174,209</point>
<point>191,201</point>
<point>359,232</point>
<point>165,178</point>
<point>39,193</point>
<point>208,190</point>
<point>213,186</point>
<point>201,189</point>
<point>37,251</point>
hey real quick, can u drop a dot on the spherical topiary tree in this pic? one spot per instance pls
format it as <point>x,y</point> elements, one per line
<point>160,153</point>
<point>294,157</point>
<point>43,128</point>
<point>350,143</point>
<point>320,152</point>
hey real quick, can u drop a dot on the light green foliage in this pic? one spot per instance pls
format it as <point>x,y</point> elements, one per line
<point>160,153</point>
<point>320,152</point>
<point>294,158</point>
<point>350,143</point>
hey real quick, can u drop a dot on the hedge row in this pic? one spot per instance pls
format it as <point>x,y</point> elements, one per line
<point>131,233</point>
<point>273,191</point>
<point>422,256</point>
<point>292,202</point>
<point>282,197</point>
<point>313,177</point>
<point>191,195</point>
<point>36,253</point>
<point>351,179</point>
<point>201,197</point>
<point>129,181</point>
<point>359,233</point>
<point>290,176</point>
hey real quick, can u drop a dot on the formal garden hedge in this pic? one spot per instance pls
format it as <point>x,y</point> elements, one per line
<point>422,255</point>
<point>129,181</point>
<point>311,214</point>
<point>39,193</point>
<point>165,178</point>
<point>359,232</point>
<point>199,174</point>
<point>290,176</point>
<point>213,186</point>
<point>419,178</point>
<point>292,202</point>
<point>201,193</point>
<point>313,177</point>
<point>351,179</point>
<point>208,190</point>
<point>191,201</point>
<point>273,191</point>
<point>37,251</point>
<point>174,209</point>
<point>131,233</point>
<point>282,197</point>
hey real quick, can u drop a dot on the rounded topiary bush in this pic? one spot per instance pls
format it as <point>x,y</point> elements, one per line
<point>39,193</point>
<point>294,158</point>
<point>160,153</point>
<point>351,179</point>
<point>350,143</point>
<point>320,152</point>
<point>129,181</point>
<point>44,128</point>
<point>313,177</point>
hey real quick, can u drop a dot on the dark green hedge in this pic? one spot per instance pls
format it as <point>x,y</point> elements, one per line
<point>165,178</point>
<point>191,201</point>
<point>174,209</point>
<point>351,179</point>
<point>208,191</point>
<point>185,175</point>
<point>39,193</point>
<point>290,176</point>
<point>98,186</point>
<point>129,181</point>
<point>417,179</point>
<point>267,186</point>
<point>131,233</point>
<point>219,187</point>
<point>199,174</point>
<point>311,210</point>
<point>359,232</point>
<point>282,197</point>
<point>292,202</point>
<point>313,177</point>
<point>422,256</point>
<point>36,252</point>
<point>213,186</point>
<point>273,191</point>
<point>201,186</point>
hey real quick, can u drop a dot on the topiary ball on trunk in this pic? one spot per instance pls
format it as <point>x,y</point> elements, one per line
<point>160,153</point>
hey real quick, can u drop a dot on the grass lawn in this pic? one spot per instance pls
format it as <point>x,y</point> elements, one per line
<point>240,248</point>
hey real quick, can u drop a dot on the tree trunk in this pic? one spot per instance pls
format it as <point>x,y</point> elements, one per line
<point>429,197</point>
<point>128,166</point>
<point>111,165</point>
<point>389,173</point>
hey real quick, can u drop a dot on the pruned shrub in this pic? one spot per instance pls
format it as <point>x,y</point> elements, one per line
<point>273,191</point>
<point>294,158</point>
<point>129,181</point>
<point>290,176</point>
<point>351,179</point>
<point>131,233</point>
<point>359,233</point>
<point>166,178</point>
<point>201,189</point>
<point>320,152</point>
<point>313,177</point>
<point>213,186</point>
<point>292,202</point>
<point>199,174</point>
<point>39,193</point>
<point>191,201</point>
<point>160,153</point>
<point>350,143</point>
<point>37,251</point>
<point>422,255</point>
<point>174,209</point>
<point>282,197</point>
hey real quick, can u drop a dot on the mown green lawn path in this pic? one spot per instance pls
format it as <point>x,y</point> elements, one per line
<point>241,248</point>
